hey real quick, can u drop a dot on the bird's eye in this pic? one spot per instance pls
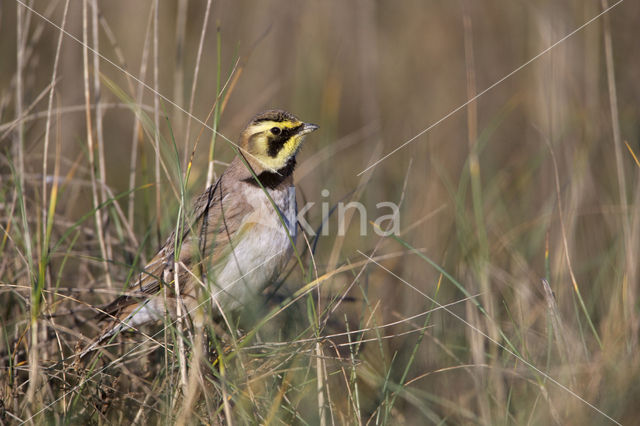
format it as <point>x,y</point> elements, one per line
<point>275,130</point>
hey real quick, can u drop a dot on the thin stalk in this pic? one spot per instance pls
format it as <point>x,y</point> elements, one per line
<point>353,377</point>
<point>99,112</point>
<point>179,327</point>
<point>482,258</point>
<point>194,83</point>
<point>137,125</point>
<point>47,218</point>
<point>47,215</point>
<point>178,73</point>
<point>630,311</point>
<point>565,243</point>
<point>216,114</point>
<point>156,117</point>
<point>20,48</point>
<point>90,145</point>
<point>33,353</point>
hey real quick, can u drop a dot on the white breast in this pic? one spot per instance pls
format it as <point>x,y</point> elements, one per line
<point>261,253</point>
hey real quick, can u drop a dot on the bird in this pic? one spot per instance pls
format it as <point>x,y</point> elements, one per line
<point>239,237</point>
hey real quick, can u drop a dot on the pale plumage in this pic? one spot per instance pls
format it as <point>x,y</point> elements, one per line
<point>236,242</point>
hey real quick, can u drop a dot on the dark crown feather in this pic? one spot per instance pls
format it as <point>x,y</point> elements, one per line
<point>276,115</point>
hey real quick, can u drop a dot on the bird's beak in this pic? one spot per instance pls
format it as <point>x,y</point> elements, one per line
<point>307,128</point>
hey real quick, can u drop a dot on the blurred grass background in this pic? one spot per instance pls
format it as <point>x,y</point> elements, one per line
<point>535,180</point>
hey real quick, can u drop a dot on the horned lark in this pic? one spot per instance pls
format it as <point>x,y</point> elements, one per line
<point>237,242</point>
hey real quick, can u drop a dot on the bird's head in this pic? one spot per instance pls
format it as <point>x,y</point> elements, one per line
<point>273,138</point>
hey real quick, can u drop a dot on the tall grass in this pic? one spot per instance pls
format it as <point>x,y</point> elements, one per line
<point>509,296</point>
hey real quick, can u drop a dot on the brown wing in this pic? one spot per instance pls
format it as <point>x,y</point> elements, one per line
<point>216,219</point>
